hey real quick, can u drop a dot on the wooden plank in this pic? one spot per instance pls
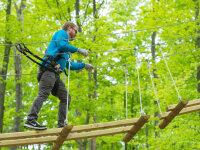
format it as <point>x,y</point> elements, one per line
<point>190,103</point>
<point>50,132</point>
<point>182,112</point>
<point>105,125</point>
<point>29,134</point>
<point>20,142</point>
<point>71,136</point>
<point>173,114</point>
<point>61,138</point>
<point>93,134</point>
<point>142,120</point>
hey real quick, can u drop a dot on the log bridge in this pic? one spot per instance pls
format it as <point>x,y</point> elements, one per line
<point>59,135</point>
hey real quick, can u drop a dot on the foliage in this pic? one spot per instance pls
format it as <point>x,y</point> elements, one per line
<point>135,21</point>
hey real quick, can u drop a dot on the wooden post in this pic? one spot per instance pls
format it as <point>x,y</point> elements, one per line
<point>173,114</point>
<point>142,120</point>
<point>61,138</point>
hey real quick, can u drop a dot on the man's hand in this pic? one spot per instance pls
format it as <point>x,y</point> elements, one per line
<point>88,66</point>
<point>83,51</point>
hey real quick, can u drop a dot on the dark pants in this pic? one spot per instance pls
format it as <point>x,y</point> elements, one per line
<point>46,84</point>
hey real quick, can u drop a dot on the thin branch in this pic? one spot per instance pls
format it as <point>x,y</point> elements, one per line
<point>85,12</point>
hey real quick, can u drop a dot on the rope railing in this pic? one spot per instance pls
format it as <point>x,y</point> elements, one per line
<point>117,50</point>
<point>125,32</point>
<point>121,65</point>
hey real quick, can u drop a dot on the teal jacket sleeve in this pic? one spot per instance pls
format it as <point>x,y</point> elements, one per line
<point>75,66</point>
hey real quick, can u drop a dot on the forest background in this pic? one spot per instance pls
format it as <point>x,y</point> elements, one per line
<point>122,34</point>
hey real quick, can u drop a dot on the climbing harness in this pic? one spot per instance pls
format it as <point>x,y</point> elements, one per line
<point>46,65</point>
<point>51,66</point>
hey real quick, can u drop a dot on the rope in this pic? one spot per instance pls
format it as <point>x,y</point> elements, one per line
<point>142,111</point>
<point>69,61</point>
<point>126,72</point>
<point>128,49</point>
<point>117,50</point>
<point>148,66</point>
<point>118,65</point>
<point>112,33</point>
<point>179,97</point>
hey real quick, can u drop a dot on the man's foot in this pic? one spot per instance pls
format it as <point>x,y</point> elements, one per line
<point>33,124</point>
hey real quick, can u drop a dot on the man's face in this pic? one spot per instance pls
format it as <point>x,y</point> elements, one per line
<point>72,32</point>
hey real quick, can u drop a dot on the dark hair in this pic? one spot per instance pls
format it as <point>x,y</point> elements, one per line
<point>67,25</point>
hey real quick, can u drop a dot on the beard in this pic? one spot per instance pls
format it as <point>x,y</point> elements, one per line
<point>71,37</point>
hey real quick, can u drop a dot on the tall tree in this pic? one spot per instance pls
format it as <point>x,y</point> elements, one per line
<point>4,68</point>
<point>18,71</point>
<point>153,53</point>
<point>78,15</point>
<point>197,41</point>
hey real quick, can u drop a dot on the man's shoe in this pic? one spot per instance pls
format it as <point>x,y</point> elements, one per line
<point>33,124</point>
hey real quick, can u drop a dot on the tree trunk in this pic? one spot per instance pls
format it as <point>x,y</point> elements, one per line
<point>197,41</point>
<point>4,69</point>
<point>18,84</point>
<point>79,142</point>
<point>18,96</point>
<point>132,104</point>
<point>69,12</point>
<point>89,99</point>
<point>18,72</point>
<point>153,51</point>
<point>93,141</point>
<point>82,144</point>
<point>78,16</point>
<point>87,122</point>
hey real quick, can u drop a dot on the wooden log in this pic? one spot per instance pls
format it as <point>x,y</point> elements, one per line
<point>20,142</point>
<point>182,112</point>
<point>50,132</point>
<point>93,134</point>
<point>189,104</point>
<point>61,138</point>
<point>142,120</point>
<point>173,114</point>
<point>71,136</point>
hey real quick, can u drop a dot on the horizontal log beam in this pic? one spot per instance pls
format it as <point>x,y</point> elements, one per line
<point>190,103</point>
<point>182,112</point>
<point>142,120</point>
<point>50,132</point>
<point>71,136</point>
<point>21,142</point>
<point>173,114</point>
<point>93,134</point>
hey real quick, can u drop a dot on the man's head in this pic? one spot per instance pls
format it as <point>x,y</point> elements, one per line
<point>71,30</point>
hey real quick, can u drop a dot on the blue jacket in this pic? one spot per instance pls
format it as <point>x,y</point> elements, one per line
<point>58,45</point>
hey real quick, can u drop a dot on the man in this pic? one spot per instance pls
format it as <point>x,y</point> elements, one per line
<point>49,81</point>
